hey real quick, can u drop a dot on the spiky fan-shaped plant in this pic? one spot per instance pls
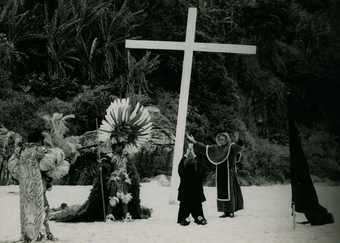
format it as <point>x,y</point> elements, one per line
<point>126,123</point>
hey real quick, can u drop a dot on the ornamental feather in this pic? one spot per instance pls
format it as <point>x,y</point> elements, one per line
<point>55,137</point>
<point>126,123</point>
<point>124,197</point>
<point>54,163</point>
<point>113,201</point>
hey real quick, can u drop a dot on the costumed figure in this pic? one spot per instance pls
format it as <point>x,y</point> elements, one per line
<point>190,191</point>
<point>8,142</point>
<point>35,166</point>
<point>115,193</point>
<point>304,197</point>
<point>224,156</point>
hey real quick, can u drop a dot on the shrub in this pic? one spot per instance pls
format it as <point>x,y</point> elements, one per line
<point>152,163</point>
<point>323,159</point>
<point>42,85</point>
<point>18,112</point>
<point>266,160</point>
<point>90,105</point>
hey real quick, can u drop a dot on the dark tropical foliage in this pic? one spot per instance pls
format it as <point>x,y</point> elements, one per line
<point>69,56</point>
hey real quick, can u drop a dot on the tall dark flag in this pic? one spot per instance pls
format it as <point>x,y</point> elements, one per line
<point>304,195</point>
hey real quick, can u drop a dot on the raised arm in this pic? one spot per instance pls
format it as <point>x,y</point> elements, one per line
<point>198,146</point>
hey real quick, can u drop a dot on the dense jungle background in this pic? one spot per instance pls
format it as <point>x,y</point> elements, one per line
<point>68,56</point>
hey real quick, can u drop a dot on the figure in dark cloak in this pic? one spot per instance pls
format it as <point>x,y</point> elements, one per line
<point>224,155</point>
<point>190,191</point>
<point>304,197</point>
<point>115,207</point>
<point>124,130</point>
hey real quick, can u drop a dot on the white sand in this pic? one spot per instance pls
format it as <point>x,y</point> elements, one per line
<point>266,218</point>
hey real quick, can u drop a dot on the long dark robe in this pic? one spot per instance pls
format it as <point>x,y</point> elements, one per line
<point>304,196</point>
<point>229,194</point>
<point>92,209</point>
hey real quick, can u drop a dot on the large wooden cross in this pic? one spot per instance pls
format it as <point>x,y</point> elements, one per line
<point>189,46</point>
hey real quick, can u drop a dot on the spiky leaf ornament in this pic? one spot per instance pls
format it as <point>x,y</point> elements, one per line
<point>126,124</point>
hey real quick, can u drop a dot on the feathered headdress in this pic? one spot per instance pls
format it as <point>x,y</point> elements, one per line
<point>126,123</point>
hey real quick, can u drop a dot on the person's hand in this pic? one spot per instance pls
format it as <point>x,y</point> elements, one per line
<point>190,153</point>
<point>191,139</point>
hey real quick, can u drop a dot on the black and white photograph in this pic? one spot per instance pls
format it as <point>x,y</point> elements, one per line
<point>170,121</point>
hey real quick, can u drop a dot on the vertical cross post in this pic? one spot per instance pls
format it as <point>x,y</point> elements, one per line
<point>183,98</point>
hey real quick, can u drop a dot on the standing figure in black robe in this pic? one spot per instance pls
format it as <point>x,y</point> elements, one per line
<point>304,197</point>
<point>190,191</point>
<point>224,156</point>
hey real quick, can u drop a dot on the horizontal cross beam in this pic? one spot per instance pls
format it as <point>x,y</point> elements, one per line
<point>188,46</point>
<point>195,46</point>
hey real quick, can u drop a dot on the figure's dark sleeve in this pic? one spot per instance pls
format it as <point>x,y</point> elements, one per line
<point>199,148</point>
<point>181,167</point>
<point>237,147</point>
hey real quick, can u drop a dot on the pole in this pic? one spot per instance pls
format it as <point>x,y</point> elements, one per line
<point>294,215</point>
<point>100,173</point>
